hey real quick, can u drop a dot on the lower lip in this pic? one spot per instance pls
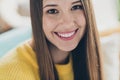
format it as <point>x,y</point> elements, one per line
<point>68,38</point>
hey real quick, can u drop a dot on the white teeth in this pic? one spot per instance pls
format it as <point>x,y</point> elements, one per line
<point>66,34</point>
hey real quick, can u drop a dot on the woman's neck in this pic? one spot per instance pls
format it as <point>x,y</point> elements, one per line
<point>59,57</point>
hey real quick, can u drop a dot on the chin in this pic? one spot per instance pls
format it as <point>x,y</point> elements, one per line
<point>67,49</point>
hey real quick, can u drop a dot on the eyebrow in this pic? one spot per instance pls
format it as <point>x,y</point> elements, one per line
<point>54,5</point>
<point>76,2</point>
<point>50,5</point>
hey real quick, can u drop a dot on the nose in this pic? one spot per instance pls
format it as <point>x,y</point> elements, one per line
<point>67,20</point>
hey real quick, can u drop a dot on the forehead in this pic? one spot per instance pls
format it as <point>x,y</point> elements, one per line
<point>58,1</point>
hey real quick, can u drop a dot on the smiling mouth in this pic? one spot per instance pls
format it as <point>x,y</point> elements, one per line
<point>66,35</point>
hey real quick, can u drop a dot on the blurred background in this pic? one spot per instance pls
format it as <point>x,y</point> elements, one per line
<point>15,27</point>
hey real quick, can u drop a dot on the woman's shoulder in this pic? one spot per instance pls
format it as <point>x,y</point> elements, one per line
<point>16,69</point>
<point>18,61</point>
<point>23,52</point>
<point>20,51</point>
<point>12,55</point>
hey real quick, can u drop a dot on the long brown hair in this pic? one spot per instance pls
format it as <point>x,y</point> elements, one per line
<point>86,56</point>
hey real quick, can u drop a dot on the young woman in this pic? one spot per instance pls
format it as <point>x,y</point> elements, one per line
<point>65,44</point>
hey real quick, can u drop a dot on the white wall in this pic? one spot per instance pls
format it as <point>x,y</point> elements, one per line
<point>106,13</point>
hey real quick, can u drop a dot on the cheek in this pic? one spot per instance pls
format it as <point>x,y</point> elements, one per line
<point>48,24</point>
<point>81,20</point>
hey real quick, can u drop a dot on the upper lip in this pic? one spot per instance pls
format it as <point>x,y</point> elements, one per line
<point>67,31</point>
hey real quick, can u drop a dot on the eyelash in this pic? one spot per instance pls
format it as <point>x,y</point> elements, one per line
<point>52,11</point>
<point>78,7</point>
<point>55,11</point>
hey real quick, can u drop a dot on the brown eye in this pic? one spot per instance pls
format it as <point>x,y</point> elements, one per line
<point>77,7</point>
<point>52,11</point>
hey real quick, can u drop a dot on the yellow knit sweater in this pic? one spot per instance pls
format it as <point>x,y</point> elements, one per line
<point>21,64</point>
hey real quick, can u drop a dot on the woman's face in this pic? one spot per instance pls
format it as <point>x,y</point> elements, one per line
<point>63,23</point>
